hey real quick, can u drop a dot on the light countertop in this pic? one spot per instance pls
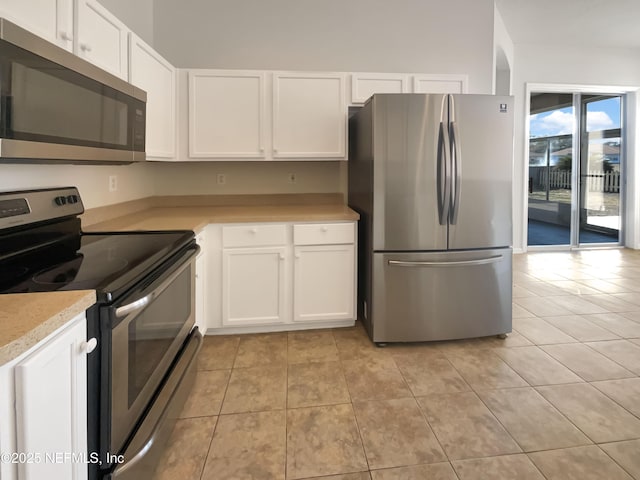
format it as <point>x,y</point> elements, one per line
<point>28,318</point>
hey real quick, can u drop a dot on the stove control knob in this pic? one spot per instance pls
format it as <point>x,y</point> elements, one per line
<point>60,200</point>
<point>72,199</point>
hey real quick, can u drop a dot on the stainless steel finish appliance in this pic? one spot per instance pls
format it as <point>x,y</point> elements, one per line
<point>55,106</point>
<point>144,366</point>
<point>430,176</point>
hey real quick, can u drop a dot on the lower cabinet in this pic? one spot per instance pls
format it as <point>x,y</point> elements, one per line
<point>277,276</point>
<point>49,392</point>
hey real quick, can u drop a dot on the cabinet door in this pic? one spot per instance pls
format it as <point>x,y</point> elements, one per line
<point>363,85</point>
<point>226,114</point>
<point>155,75</point>
<point>101,38</point>
<point>253,286</point>
<point>440,84</point>
<point>309,116</point>
<point>323,283</point>
<point>51,406</point>
<point>49,19</point>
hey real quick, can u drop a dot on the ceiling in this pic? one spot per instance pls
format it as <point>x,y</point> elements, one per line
<point>590,23</point>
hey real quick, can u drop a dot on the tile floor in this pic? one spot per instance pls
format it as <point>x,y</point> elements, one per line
<point>558,399</point>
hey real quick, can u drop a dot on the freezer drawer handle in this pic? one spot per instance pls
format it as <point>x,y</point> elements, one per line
<point>458,263</point>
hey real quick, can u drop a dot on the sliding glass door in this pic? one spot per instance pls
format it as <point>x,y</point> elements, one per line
<point>575,173</point>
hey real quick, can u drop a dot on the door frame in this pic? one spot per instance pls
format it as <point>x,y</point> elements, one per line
<point>627,194</point>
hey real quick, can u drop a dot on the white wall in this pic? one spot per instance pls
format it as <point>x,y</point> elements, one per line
<point>427,36</point>
<point>543,64</point>
<point>136,14</point>
<point>134,181</point>
<point>502,56</point>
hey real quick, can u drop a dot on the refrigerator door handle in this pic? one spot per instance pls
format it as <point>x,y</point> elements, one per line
<point>455,174</point>
<point>455,263</point>
<point>443,175</point>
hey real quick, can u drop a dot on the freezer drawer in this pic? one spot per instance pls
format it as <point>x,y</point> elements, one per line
<point>440,296</point>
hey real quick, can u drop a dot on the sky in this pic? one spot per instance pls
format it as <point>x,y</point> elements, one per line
<point>601,115</point>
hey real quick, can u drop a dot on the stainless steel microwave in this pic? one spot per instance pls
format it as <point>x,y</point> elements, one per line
<point>55,106</point>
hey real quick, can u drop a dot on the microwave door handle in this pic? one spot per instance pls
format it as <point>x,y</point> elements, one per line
<point>142,302</point>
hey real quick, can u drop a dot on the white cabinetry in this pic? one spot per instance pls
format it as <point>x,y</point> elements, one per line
<point>201,283</point>
<point>48,386</point>
<point>226,114</point>
<point>155,75</point>
<point>253,274</point>
<point>440,83</point>
<point>101,38</point>
<point>324,272</point>
<point>309,115</point>
<point>363,85</point>
<point>49,19</point>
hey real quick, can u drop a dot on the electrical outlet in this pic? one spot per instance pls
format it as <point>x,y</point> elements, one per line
<point>113,183</point>
<point>292,178</point>
<point>221,178</point>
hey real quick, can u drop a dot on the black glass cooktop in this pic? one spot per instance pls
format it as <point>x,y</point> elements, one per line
<point>109,263</point>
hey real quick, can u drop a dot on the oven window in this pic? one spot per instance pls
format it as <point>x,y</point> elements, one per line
<point>154,330</point>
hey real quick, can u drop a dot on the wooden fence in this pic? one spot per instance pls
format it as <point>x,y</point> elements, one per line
<point>597,181</point>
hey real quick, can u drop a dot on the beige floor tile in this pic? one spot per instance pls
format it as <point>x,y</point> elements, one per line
<point>541,308</point>
<point>345,476</point>
<point>431,375</point>
<point>218,352</point>
<point>635,316</point>
<point>261,349</point>
<point>186,450</point>
<point>208,392</point>
<point>312,346</point>
<point>248,446</point>
<point>315,384</point>
<point>580,463</point>
<point>323,441</point>
<point>465,427</point>
<point>532,421</point>
<point>541,332</point>
<point>514,339</point>
<point>541,289</point>
<point>623,352</point>
<point>581,328</point>
<point>635,340</point>
<point>520,291</point>
<point>572,287</point>
<point>435,471</point>
<point>625,392</point>
<point>604,286</point>
<point>507,467</point>
<point>616,323</point>
<point>395,434</point>
<point>612,304</point>
<point>599,417</point>
<point>577,304</point>
<point>586,362</point>
<point>485,370</point>
<point>536,367</point>
<point>519,312</point>
<point>353,343</point>
<point>375,379</point>
<point>256,389</point>
<point>631,297</point>
<point>546,274</point>
<point>631,284</point>
<point>627,454</point>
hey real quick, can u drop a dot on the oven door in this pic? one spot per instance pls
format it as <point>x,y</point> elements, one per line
<point>147,328</point>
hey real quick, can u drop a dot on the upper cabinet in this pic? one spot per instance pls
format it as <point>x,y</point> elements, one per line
<point>49,19</point>
<point>363,85</point>
<point>309,115</point>
<point>155,75</point>
<point>227,114</point>
<point>440,83</point>
<point>101,38</point>
<point>231,115</point>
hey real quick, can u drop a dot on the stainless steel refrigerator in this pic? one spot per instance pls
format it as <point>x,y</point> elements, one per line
<point>430,175</point>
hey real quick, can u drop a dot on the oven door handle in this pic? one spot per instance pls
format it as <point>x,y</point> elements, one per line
<point>141,303</point>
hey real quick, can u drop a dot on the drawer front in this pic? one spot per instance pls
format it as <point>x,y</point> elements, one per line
<point>323,233</point>
<point>254,235</point>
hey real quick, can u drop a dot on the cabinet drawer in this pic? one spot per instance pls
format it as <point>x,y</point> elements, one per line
<point>323,233</point>
<point>254,235</point>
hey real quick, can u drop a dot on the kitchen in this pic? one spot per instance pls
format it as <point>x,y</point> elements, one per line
<point>262,48</point>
